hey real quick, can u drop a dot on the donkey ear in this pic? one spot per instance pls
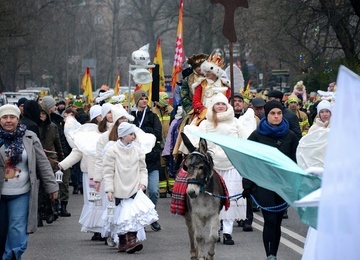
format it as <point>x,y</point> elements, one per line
<point>187,143</point>
<point>203,146</point>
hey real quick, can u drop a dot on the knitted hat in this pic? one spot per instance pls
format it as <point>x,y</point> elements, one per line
<point>49,102</point>
<point>125,128</point>
<point>258,102</point>
<point>324,104</point>
<point>21,101</point>
<point>95,111</point>
<point>163,99</point>
<point>9,109</point>
<point>275,94</point>
<point>138,94</point>
<point>118,112</point>
<point>271,105</point>
<point>293,98</point>
<point>105,108</point>
<point>219,97</point>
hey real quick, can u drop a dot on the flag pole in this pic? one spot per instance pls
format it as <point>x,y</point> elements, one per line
<point>231,72</point>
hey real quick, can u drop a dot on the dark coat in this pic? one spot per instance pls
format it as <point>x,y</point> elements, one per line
<point>59,122</point>
<point>31,117</point>
<point>50,140</point>
<point>151,125</point>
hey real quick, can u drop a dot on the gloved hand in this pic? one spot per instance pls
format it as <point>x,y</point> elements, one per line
<point>246,193</point>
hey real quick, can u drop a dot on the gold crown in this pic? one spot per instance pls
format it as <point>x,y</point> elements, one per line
<point>217,60</point>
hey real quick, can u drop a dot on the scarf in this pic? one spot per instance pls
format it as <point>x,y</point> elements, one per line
<point>13,143</point>
<point>278,131</point>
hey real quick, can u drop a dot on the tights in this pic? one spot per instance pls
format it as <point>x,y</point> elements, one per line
<point>272,231</point>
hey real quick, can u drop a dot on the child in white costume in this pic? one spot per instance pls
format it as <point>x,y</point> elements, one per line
<point>125,178</point>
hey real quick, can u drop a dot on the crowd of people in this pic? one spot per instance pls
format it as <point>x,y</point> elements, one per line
<point>123,156</point>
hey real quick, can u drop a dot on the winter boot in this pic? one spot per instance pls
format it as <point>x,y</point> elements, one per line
<point>122,243</point>
<point>131,244</point>
<point>49,212</point>
<point>64,212</point>
<point>227,240</point>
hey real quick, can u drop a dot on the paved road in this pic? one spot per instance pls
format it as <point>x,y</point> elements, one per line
<point>63,240</point>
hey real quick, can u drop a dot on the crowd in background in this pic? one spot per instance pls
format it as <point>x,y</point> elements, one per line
<point>150,132</point>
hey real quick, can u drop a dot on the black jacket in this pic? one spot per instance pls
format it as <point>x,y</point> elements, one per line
<point>151,125</point>
<point>31,116</point>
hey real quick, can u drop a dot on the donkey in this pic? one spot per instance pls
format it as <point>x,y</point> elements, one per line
<point>202,208</point>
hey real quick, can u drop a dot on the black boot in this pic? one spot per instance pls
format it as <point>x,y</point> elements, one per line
<point>64,212</point>
<point>227,240</point>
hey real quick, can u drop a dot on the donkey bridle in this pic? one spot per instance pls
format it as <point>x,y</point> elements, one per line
<point>202,183</point>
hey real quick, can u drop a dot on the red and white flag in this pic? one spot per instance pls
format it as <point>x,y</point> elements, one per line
<point>179,50</point>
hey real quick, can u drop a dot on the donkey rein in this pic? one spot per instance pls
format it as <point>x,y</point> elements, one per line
<point>277,208</point>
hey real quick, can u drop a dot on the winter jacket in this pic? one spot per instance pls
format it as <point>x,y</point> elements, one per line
<point>38,168</point>
<point>50,140</point>
<point>152,125</point>
<point>31,116</point>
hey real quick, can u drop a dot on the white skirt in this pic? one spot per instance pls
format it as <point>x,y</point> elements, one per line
<point>233,181</point>
<point>90,218</point>
<point>131,215</point>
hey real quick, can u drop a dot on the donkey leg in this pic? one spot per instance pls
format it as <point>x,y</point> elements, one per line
<point>198,225</point>
<point>213,237</point>
<point>188,222</point>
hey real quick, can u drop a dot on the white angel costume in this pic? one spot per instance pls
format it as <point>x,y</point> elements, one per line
<point>83,139</point>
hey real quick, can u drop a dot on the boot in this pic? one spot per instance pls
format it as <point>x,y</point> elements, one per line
<point>131,244</point>
<point>227,240</point>
<point>122,243</point>
<point>64,212</point>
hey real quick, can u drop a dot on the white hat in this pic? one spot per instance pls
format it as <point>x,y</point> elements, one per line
<point>125,128</point>
<point>118,112</point>
<point>324,104</point>
<point>95,111</point>
<point>105,108</point>
<point>9,109</point>
<point>219,97</point>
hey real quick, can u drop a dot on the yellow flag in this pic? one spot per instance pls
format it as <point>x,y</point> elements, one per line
<point>117,85</point>
<point>87,86</point>
<point>158,60</point>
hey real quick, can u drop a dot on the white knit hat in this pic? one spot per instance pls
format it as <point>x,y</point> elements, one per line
<point>105,108</point>
<point>9,109</point>
<point>118,112</point>
<point>324,104</point>
<point>95,111</point>
<point>219,97</point>
<point>125,128</point>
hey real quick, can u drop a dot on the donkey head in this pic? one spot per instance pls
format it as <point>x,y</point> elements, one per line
<point>199,166</point>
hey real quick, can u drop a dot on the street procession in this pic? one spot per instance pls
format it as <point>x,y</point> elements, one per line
<point>182,129</point>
